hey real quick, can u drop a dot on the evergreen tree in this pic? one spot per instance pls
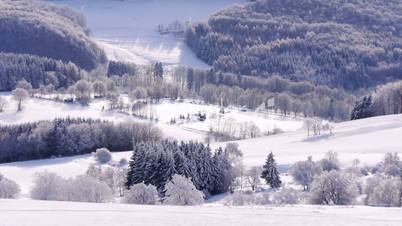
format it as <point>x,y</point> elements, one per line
<point>363,109</point>
<point>270,174</point>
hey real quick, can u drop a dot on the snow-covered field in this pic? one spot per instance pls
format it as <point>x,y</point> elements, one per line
<point>38,109</point>
<point>367,139</point>
<point>27,213</point>
<point>126,29</point>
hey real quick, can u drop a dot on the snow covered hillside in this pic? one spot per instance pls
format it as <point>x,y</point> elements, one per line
<point>25,212</point>
<point>127,29</point>
<point>366,139</point>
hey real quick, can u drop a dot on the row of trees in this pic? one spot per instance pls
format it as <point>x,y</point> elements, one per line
<point>386,100</point>
<point>230,89</point>
<point>324,182</point>
<point>66,137</point>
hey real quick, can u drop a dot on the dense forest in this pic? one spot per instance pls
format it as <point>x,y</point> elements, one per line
<point>44,29</point>
<point>349,44</point>
<point>38,71</point>
<point>68,137</point>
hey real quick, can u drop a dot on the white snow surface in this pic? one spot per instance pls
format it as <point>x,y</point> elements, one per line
<point>126,29</point>
<point>366,139</point>
<point>28,213</point>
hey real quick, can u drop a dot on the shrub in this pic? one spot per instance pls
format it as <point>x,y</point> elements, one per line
<point>141,194</point>
<point>8,188</point>
<point>181,191</point>
<point>103,155</point>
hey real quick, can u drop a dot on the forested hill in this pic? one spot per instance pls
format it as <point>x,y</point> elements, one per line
<point>351,44</point>
<point>47,30</point>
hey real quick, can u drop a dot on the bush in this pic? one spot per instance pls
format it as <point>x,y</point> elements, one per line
<point>88,189</point>
<point>286,196</point>
<point>8,188</point>
<point>103,155</point>
<point>141,194</point>
<point>50,186</point>
<point>181,191</point>
<point>241,199</point>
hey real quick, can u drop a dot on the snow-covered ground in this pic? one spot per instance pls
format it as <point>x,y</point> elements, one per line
<point>27,213</point>
<point>366,139</point>
<point>126,29</point>
<point>39,109</point>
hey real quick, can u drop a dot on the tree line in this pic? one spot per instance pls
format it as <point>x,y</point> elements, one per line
<point>306,40</point>
<point>68,137</point>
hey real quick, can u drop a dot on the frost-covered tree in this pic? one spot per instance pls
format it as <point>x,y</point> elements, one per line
<point>286,196</point>
<point>181,191</point>
<point>333,188</point>
<point>270,174</point>
<point>254,177</point>
<point>99,89</point>
<point>23,84</point>
<point>8,188</point>
<point>141,194</point>
<point>3,103</point>
<point>88,189</point>
<point>20,95</point>
<point>330,161</point>
<point>102,155</point>
<point>83,91</point>
<point>303,172</point>
<point>391,165</point>
<point>48,186</point>
<point>383,191</point>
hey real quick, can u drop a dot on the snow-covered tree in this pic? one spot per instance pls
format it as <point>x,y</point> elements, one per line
<point>303,172</point>
<point>141,194</point>
<point>20,95</point>
<point>23,84</point>
<point>383,191</point>
<point>286,196</point>
<point>8,188</point>
<point>254,177</point>
<point>102,155</point>
<point>88,189</point>
<point>333,188</point>
<point>391,165</point>
<point>99,89</point>
<point>83,91</point>
<point>48,186</point>
<point>3,103</point>
<point>270,174</point>
<point>181,191</point>
<point>330,161</point>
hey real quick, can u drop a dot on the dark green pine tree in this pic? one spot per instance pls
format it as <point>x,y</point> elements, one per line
<point>136,171</point>
<point>270,174</point>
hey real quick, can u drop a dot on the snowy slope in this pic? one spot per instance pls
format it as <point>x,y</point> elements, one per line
<point>366,139</point>
<point>126,29</point>
<point>28,213</point>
